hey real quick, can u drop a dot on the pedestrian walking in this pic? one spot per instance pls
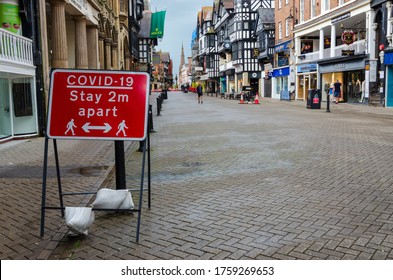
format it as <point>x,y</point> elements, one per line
<point>200,93</point>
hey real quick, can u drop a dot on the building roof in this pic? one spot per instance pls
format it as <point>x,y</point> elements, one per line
<point>145,24</point>
<point>228,4</point>
<point>165,57</point>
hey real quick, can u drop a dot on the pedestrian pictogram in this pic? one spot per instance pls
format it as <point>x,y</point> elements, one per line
<point>70,127</point>
<point>121,127</point>
<point>98,104</point>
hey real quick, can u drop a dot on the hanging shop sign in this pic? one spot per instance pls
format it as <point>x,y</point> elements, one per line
<point>255,75</point>
<point>348,37</point>
<point>9,17</point>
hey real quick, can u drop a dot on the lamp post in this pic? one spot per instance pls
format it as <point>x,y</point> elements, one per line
<point>382,74</point>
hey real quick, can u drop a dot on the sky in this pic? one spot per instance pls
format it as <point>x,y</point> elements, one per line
<point>180,22</point>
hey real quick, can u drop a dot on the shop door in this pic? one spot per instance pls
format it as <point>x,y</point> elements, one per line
<point>389,88</point>
<point>254,83</point>
<point>304,85</point>
<point>5,115</point>
<point>268,88</point>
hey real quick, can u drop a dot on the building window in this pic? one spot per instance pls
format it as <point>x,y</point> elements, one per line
<point>287,27</point>
<point>301,12</point>
<point>279,4</point>
<point>246,25</point>
<point>280,30</point>
<point>325,5</point>
<point>313,8</point>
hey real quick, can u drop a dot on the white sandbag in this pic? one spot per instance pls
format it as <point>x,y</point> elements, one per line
<point>79,219</point>
<point>113,199</point>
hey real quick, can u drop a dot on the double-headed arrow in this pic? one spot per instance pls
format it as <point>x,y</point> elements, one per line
<point>87,127</point>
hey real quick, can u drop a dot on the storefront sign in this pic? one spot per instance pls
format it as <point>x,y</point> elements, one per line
<point>347,52</point>
<point>281,72</point>
<point>282,47</point>
<point>348,65</point>
<point>312,67</point>
<point>388,59</point>
<point>341,17</point>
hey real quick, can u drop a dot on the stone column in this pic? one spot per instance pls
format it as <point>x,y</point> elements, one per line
<point>371,34</point>
<point>333,41</point>
<point>59,35</point>
<point>92,46</point>
<point>115,60</point>
<point>389,25</point>
<point>128,61</point>
<point>321,43</point>
<point>81,56</point>
<point>108,53</point>
<point>101,51</point>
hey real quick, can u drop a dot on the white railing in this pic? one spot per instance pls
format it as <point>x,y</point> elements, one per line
<point>358,47</point>
<point>15,48</point>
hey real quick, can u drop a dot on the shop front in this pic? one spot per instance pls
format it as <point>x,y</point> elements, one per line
<point>349,74</point>
<point>223,83</point>
<point>306,79</point>
<point>280,82</point>
<point>18,110</point>
<point>388,61</point>
<point>254,81</point>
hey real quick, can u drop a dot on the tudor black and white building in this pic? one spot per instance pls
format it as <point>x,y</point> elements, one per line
<point>229,50</point>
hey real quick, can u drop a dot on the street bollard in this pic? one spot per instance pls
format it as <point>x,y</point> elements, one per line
<point>150,118</point>
<point>328,103</point>
<point>158,106</point>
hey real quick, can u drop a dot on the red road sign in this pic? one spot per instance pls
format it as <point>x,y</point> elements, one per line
<point>98,104</point>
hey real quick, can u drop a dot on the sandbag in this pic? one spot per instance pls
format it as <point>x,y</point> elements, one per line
<point>113,199</point>
<point>79,219</point>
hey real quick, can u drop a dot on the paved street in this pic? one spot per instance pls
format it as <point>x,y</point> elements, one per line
<point>229,181</point>
<point>269,181</point>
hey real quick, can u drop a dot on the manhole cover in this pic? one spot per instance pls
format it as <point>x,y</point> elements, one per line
<point>88,171</point>
<point>192,164</point>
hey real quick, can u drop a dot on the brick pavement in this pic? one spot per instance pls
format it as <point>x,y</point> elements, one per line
<point>84,165</point>
<point>269,181</point>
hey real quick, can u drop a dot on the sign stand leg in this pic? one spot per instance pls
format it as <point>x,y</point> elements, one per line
<point>148,166</point>
<point>43,196</point>
<point>120,165</point>
<point>141,193</point>
<point>58,177</point>
<point>44,180</point>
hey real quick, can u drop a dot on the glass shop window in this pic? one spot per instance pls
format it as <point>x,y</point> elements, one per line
<point>22,99</point>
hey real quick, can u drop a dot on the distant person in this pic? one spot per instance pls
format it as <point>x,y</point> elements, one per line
<point>337,91</point>
<point>200,93</point>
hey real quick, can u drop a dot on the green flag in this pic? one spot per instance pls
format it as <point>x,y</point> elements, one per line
<point>157,24</point>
